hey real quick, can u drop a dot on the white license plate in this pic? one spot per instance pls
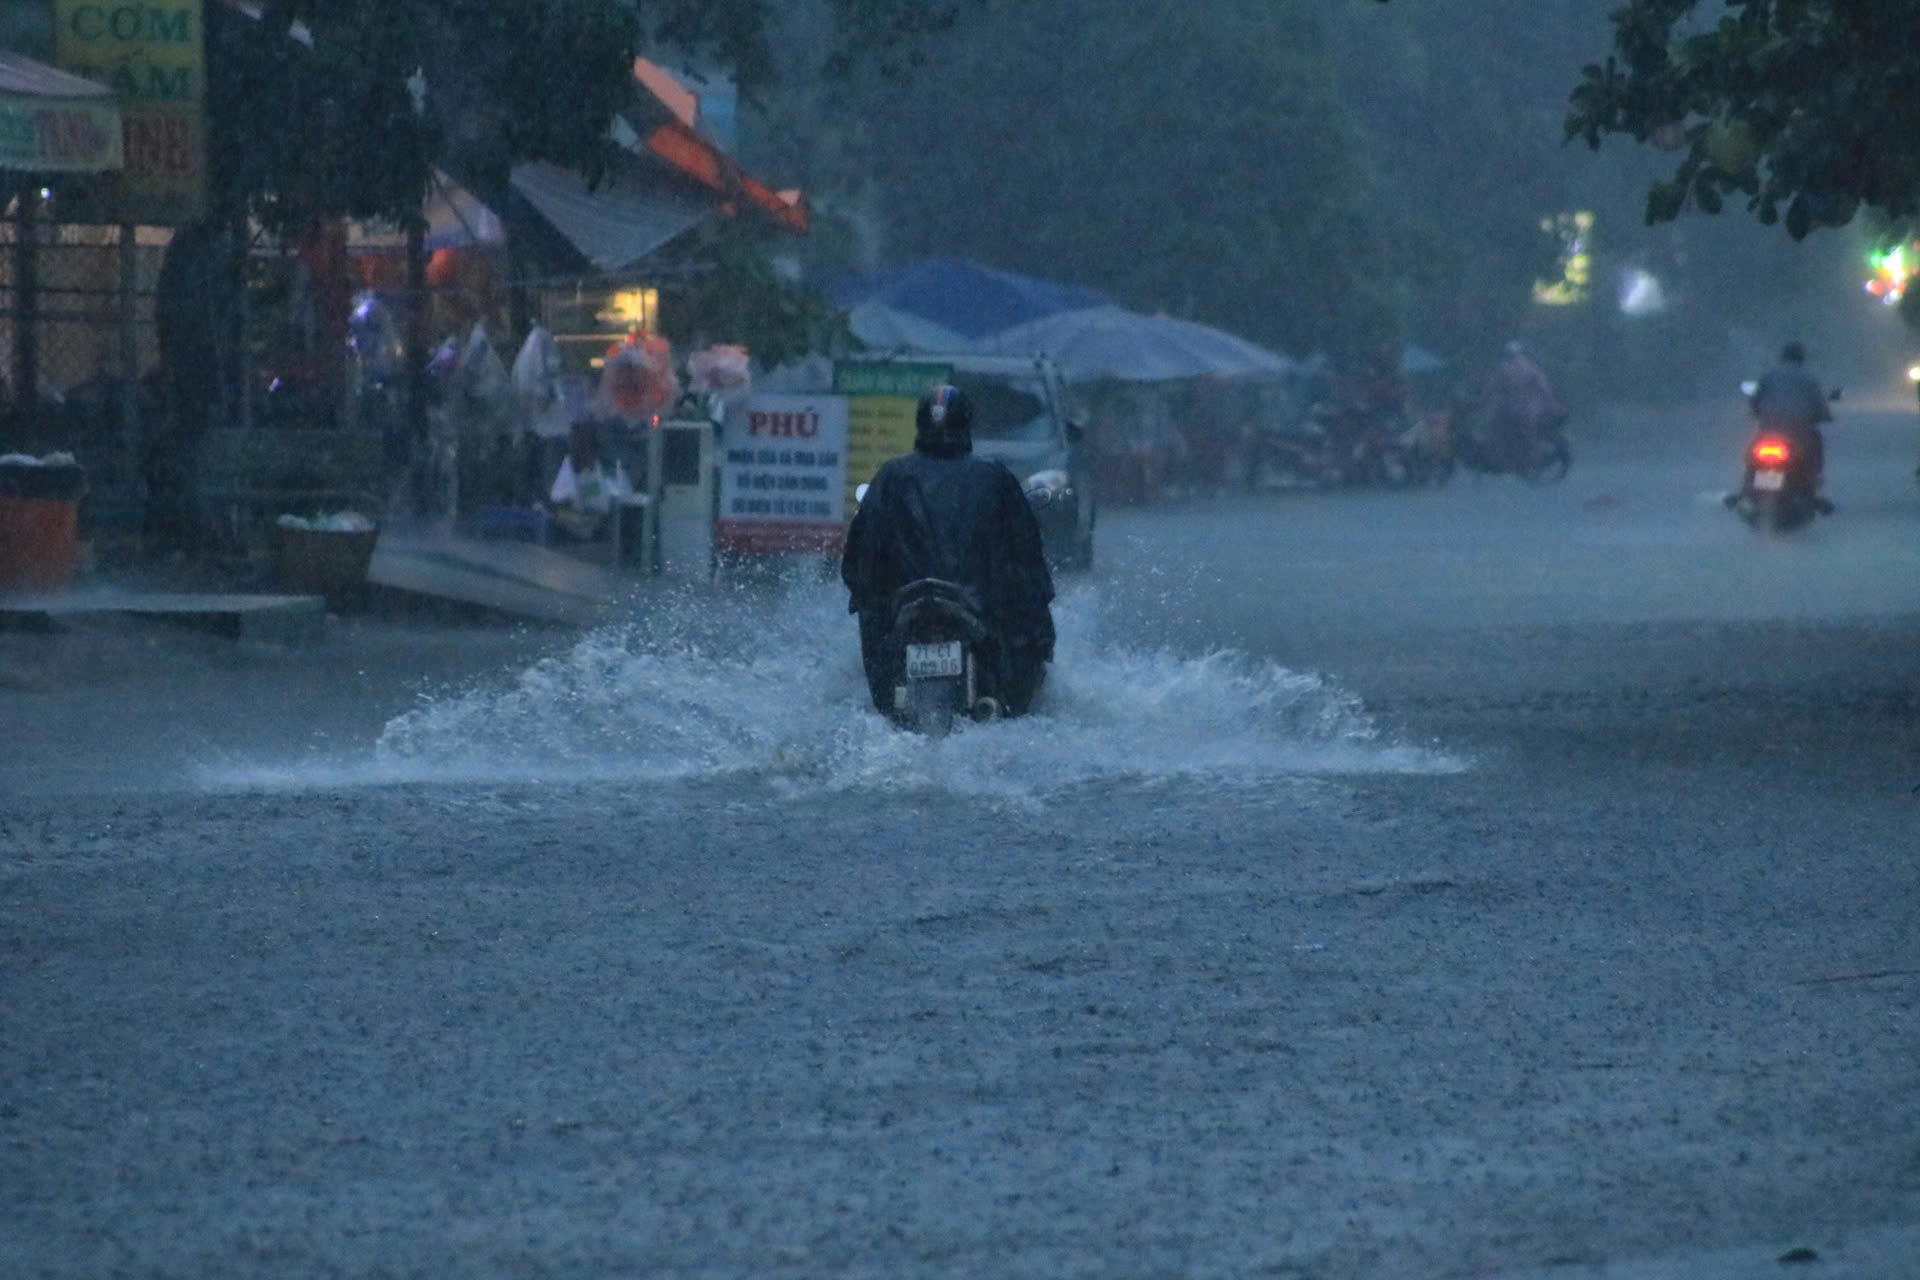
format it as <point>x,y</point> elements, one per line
<point>1769,481</point>
<point>925,661</point>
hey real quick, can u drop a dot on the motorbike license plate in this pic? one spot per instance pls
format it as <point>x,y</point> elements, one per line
<point>925,661</point>
<point>1769,481</point>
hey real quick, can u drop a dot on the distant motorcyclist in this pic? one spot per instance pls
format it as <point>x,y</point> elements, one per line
<point>1379,394</point>
<point>1370,404</point>
<point>940,512</point>
<point>1519,404</point>
<point>1792,402</point>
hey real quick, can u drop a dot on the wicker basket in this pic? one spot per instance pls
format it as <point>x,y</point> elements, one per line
<point>324,562</point>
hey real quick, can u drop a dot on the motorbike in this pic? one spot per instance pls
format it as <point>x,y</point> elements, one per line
<point>1381,450</point>
<point>1779,492</point>
<point>1431,447</point>
<point>1781,487</point>
<point>1913,376</point>
<point>1450,439</point>
<point>1298,457</point>
<point>1332,446</point>
<point>945,657</point>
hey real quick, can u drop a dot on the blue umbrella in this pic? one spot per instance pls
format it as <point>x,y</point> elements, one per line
<point>1096,343</point>
<point>963,297</point>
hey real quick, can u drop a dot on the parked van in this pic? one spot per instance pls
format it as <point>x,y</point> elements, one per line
<point>1020,418</point>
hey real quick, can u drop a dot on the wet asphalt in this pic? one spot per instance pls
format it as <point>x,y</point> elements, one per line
<point>1531,891</point>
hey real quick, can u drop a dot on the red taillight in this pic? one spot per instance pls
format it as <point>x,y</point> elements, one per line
<point>1770,452</point>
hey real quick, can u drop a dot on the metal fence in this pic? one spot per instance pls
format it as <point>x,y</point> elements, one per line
<point>77,333</point>
<point>301,409</point>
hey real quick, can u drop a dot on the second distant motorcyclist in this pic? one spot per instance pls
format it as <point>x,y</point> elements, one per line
<point>1791,401</point>
<point>1519,404</point>
<point>940,512</point>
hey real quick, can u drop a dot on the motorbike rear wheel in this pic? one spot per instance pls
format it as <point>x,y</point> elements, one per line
<point>1780,513</point>
<point>932,704</point>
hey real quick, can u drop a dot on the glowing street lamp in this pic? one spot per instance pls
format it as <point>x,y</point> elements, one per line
<point>1893,271</point>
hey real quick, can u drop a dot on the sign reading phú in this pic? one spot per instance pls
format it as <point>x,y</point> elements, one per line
<point>783,474</point>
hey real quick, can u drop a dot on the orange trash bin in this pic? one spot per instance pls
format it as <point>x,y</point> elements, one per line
<point>39,524</point>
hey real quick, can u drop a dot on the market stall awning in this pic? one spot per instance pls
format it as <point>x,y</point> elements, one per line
<point>615,224</point>
<point>55,122</point>
<point>886,328</point>
<point>455,217</point>
<point>1110,342</point>
<point>670,133</point>
<point>964,297</point>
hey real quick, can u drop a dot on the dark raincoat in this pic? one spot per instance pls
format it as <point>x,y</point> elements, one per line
<point>1791,401</point>
<point>959,518</point>
<point>1520,404</point>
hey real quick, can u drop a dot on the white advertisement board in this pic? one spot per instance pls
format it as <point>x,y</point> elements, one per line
<point>783,463</point>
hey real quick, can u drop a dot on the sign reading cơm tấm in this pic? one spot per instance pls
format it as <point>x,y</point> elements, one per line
<point>152,54</point>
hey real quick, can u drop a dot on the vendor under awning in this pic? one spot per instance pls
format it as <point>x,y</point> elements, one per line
<point>55,122</point>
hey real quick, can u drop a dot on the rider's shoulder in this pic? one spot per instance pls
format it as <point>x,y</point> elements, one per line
<point>997,468</point>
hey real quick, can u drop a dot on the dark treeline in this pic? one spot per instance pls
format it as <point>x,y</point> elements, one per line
<point>1317,176</point>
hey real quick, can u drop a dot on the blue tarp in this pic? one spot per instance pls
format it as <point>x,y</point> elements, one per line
<point>1095,343</point>
<point>965,297</point>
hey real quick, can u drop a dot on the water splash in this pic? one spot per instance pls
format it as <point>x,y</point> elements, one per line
<point>767,687</point>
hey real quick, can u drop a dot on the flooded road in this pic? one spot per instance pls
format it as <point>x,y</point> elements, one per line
<point>1477,881</point>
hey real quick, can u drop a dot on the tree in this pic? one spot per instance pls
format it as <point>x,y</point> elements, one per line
<point>1190,158</point>
<point>330,107</point>
<point>1315,176</point>
<point>1462,118</point>
<point>742,297</point>
<point>1811,107</point>
<point>322,109</point>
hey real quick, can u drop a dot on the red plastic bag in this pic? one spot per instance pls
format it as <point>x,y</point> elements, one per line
<point>637,380</point>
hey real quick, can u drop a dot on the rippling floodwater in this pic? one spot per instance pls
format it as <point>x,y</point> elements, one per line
<point>747,686</point>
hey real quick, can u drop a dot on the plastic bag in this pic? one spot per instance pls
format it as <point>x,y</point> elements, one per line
<point>375,337</point>
<point>483,378</point>
<point>536,385</point>
<point>331,522</point>
<point>724,370</point>
<point>637,380</point>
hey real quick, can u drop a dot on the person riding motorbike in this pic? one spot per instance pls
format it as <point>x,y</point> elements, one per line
<point>939,512</point>
<point>1371,405</point>
<point>1519,404</point>
<point>1790,401</point>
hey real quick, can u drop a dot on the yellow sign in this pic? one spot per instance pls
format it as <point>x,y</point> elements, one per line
<point>881,399</point>
<point>153,56</point>
<point>878,428</point>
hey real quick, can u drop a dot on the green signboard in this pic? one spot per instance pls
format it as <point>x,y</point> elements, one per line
<point>881,399</point>
<point>886,378</point>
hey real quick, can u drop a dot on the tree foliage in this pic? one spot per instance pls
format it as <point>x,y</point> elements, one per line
<point>318,109</point>
<point>742,297</point>
<point>1318,177</point>
<point>348,120</point>
<point>1463,120</point>
<point>1808,110</point>
<point>1187,158</point>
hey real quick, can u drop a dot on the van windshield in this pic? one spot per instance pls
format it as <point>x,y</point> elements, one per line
<point>1010,408</point>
